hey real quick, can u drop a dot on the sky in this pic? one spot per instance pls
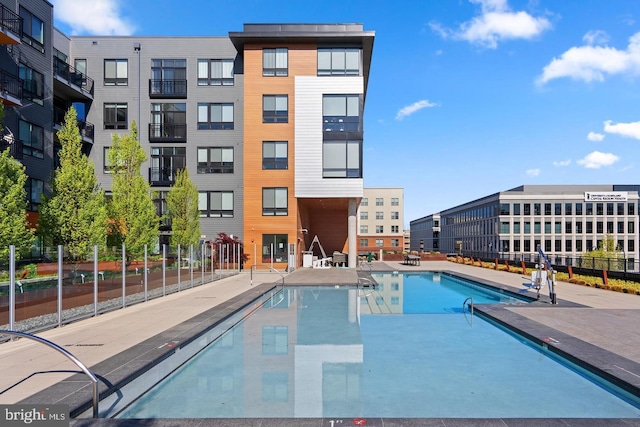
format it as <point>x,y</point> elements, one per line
<point>466,98</point>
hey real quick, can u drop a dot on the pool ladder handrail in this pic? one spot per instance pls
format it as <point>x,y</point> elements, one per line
<point>271,269</point>
<point>68,355</point>
<point>464,304</point>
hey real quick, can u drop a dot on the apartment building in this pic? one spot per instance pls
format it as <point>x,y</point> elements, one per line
<point>268,120</point>
<point>564,220</point>
<point>380,220</point>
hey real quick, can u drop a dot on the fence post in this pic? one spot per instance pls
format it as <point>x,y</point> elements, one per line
<point>191,264</point>
<point>164,268</point>
<point>524,267</point>
<point>124,274</point>
<point>570,272</point>
<point>605,279</point>
<point>179,268</point>
<point>145,273</point>
<point>95,280</point>
<point>12,287</point>
<point>60,274</point>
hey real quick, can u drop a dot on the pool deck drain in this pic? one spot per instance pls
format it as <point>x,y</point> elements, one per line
<point>587,323</point>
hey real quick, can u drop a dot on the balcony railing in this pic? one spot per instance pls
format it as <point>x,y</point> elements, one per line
<point>13,144</point>
<point>10,21</point>
<point>167,88</point>
<point>162,176</point>
<point>87,129</point>
<point>167,132</point>
<point>72,76</point>
<point>10,84</point>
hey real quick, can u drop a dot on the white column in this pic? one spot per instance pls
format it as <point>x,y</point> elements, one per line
<point>352,234</point>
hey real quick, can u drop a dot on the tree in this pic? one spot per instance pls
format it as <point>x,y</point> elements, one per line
<point>14,227</point>
<point>75,214</point>
<point>133,215</point>
<point>229,242</point>
<point>182,202</point>
<point>606,257</point>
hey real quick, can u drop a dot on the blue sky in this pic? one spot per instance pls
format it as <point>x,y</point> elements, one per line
<point>466,97</point>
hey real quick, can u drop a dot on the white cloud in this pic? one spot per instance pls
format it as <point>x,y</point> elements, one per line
<point>592,63</point>
<point>628,130</point>
<point>562,162</point>
<point>596,160</point>
<point>95,17</point>
<point>495,23</point>
<point>594,136</point>
<point>416,106</point>
<point>596,37</point>
<point>533,172</point>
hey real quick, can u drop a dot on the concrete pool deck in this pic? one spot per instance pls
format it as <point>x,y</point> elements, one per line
<point>597,325</point>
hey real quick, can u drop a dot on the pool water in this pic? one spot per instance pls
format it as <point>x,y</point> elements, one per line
<point>326,352</point>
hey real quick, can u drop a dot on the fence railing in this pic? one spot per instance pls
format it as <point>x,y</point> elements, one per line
<point>49,294</point>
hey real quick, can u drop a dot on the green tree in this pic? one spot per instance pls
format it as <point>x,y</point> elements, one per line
<point>605,257</point>
<point>133,214</point>
<point>182,202</point>
<point>14,227</point>
<point>75,214</point>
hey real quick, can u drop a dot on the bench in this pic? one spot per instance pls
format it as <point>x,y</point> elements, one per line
<point>412,259</point>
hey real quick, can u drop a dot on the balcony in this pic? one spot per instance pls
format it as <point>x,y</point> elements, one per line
<point>167,88</point>
<point>87,129</point>
<point>10,89</point>
<point>164,132</point>
<point>162,177</point>
<point>71,83</point>
<point>14,145</point>
<point>10,26</point>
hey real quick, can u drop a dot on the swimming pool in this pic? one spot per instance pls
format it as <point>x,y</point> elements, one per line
<point>327,352</point>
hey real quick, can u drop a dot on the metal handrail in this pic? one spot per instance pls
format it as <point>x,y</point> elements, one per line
<point>464,304</point>
<point>255,267</point>
<point>69,356</point>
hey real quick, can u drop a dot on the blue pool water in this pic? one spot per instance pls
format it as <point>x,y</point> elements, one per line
<point>401,350</point>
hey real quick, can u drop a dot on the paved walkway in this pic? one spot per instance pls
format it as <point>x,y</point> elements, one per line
<point>604,320</point>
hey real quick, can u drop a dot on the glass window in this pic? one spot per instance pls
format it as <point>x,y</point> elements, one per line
<point>547,227</point>
<point>609,226</point>
<point>609,208</point>
<point>631,209</point>
<point>341,159</point>
<point>395,215</point>
<point>631,245</point>
<point>364,229</point>
<point>516,227</point>
<point>589,227</point>
<point>165,163</point>
<point>547,208</point>
<point>504,227</point>
<point>379,229</point>
<point>364,202</point>
<point>215,72</point>
<point>215,160</point>
<point>568,245</point>
<point>32,29</point>
<point>536,209</point>
<point>216,204</point>
<point>578,227</point>
<point>527,227</point>
<point>557,227</point>
<point>115,72</point>
<point>516,208</point>
<point>516,245</point>
<point>275,108</point>
<point>216,116</point>
<point>557,208</point>
<point>395,201</point>
<point>578,245</point>
<point>364,215</point>
<point>395,243</point>
<point>567,209</point>
<point>547,245</point>
<point>168,122</point>
<point>504,209</point>
<point>527,209</point>
<point>379,215</point>
<point>275,155</point>
<point>168,78</point>
<point>620,226</point>
<point>620,208</point>
<point>364,243</point>
<point>557,245</point>
<point>527,245</point>
<point>568,226</point>
<point>395,228</point>
<point>379,243</point>
<point>34,189</point>
<point>536,227</point>
<point>274,248</point>
<point>275,61</point>
<point>274,201</point>
<point>115,116</point>
<point>631,227</point>
<point>599,209</point>
<point>32,139</point>
<point>379,201</point>
<point>339,61</point>
<point>32,84</point>
<point>589,209</point>
<point>341,113</point>
<point>107,167</point>
<point>578,208</point>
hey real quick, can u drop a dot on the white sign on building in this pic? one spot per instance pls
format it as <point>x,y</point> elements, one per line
<point>605,196</point>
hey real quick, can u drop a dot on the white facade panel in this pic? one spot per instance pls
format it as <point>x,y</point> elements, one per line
<point>308,137</point>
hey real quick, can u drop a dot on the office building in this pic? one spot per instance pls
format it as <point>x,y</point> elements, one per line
<point>380,220</point>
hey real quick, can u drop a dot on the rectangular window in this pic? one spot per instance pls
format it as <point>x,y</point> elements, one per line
<point>115,72</point>
<point>395,228</point>
<point>115,116</point>
<point>620,208</point>
<point>379,243</point>
<point>567,209</point>
<point>379,201</point>
<point>341,159</point>
<point>631,209</point>
<point>215,72</point>
<point>609,226</point>
<point>557,245</point>
<point>274,201</point>
<point>547,245</point>
<point>578,208</point>
<point>631,245</point>
<point>395,215</point>
<point>275,108</point>
<point>516,208</point>
<point>215,160</point>
<point>536,227</point>
<point>168,122</point>
<point>516,227</point>
<point>275,61</point>
<point>107,167</point>
<point>557,227</point>
<point>215,116</point>
<point>631,227</point>
<point>536,209</point>
<point>32,139</point>
<point>162,209</point>
<point>589,209</point>
<point>609,208</point>
<point>527,227</point>
<point>32,30</point>
<point>379,229</point>
<point>364,215</point>
<point>379,215</point>
<point>527,245</point>
<point>557,208</point>
<point>216,204</point>
<point>504,227</point>
<point>274,247</point>
<point>32,84</point>
<point>339,61</point>
<point>165,163</point>
<point>599,209</point>
<point>567,245</point>
<point>168,78</point>
<point>620,227</point>
<point>527,209</point>
<point>364,229</point>
<point>568,226</point>
<point>504,209</point>
<point>547,227</point>
<point>589,245</point>
<point>395,243</point>
<point>547,208</point>
<point>395,201</point>
<point>275,155</point>
<point>578,245</point>
<point>341,113</point>
<point>34,189</point>
<point>504,245</point>
<point>578,227</point>
<point>516,245</point>
<point>364,243</point>
<point>589,227</point>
